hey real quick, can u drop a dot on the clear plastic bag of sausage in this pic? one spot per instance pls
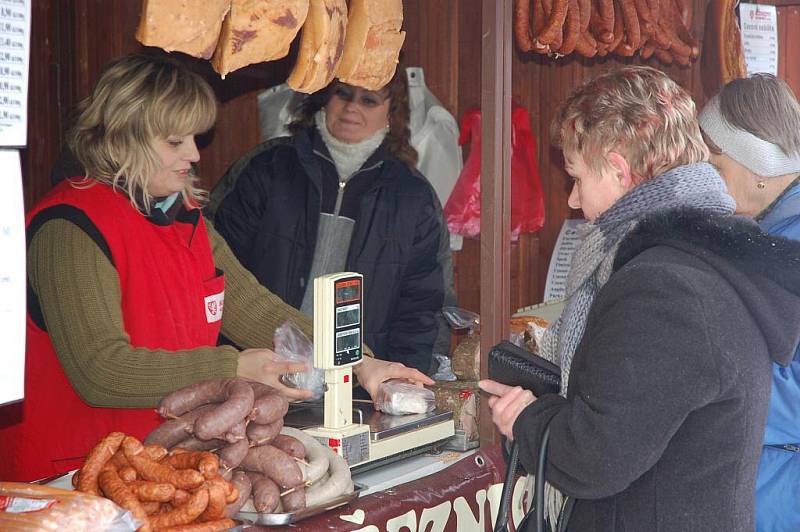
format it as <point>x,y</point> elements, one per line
<point>292,345</point>
<point>398,397</point>
<point>35,508</point>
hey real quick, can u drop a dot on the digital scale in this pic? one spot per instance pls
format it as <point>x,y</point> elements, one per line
<point>355,430</point>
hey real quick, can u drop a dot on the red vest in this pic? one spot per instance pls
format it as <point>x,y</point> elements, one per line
<point>171,299</point>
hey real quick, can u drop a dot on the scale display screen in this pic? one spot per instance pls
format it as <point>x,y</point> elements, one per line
<point>347,291</point>
<point>348,315</point>
<point>347,322</point>
<point>347,340</point>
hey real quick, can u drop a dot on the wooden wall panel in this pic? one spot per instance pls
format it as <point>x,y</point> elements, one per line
<point>789,45</point>
<point>71,41</point>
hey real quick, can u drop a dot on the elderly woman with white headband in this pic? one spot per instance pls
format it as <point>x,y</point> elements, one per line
<point>753,130</point>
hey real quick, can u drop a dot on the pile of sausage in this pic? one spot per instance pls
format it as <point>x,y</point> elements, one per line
<point>274,468</point>
<point>164,491</point>
<point>601,27</point>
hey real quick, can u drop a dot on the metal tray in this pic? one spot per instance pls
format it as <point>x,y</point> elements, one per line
<point>292,517</point>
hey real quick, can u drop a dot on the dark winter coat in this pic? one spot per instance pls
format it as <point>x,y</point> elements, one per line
<point>669,388</point>
<point>270,220</point>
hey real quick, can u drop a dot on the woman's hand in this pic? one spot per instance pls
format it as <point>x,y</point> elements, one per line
<point>506,403</point>
<point>262,365</point>
<point>373,371</point>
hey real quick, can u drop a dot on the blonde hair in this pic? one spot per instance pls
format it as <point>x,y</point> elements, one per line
<point>764,106</point>
<point>138,99</point>
<point>636,111</point>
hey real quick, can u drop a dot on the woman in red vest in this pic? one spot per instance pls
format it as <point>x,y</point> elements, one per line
<point>127,282</point>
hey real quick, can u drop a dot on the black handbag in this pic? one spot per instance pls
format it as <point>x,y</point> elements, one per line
<point>514,366</point>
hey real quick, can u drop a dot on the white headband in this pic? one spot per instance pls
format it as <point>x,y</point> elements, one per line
<point>758,155</point>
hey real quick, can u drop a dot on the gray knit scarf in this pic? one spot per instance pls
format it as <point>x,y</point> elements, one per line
<point>695,185</point>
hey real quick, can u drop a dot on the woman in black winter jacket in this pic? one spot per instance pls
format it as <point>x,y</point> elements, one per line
<point>675,311</point>
<point>341,194</point>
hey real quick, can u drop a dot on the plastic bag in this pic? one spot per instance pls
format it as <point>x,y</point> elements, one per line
<point>445,371</point>
<point>31,507</point>
<point>461,318</point>
<point>463,208</point>
<point>398,398</point>
<point>292,345</point>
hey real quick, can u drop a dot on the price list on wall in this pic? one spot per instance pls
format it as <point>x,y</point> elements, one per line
<point>15,28</point>
<point>759,24</point>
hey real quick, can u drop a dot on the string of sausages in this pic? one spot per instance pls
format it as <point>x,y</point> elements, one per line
<point>180,491</point>
<point>590,28</point>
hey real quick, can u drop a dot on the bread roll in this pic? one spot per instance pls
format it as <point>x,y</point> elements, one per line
<point>321,46</point>
<point>188,26</point>
<point>373,43</point>
<point>257,30</point>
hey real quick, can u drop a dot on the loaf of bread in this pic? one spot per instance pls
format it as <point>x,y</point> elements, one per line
<point>462,398</point>
<point>373,43</point>
<point>188,26</point>
<point>321,46</point>
<point>257,30</point>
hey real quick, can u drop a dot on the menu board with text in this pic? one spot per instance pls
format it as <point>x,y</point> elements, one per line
<point>759,24</point>
<point>15,30</point>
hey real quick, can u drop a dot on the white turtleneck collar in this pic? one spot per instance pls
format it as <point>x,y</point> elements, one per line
<point>347,158</point>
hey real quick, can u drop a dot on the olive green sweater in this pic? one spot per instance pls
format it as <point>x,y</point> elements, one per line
<point>79,294</point>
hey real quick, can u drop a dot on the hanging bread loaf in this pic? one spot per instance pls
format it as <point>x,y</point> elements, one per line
<point>321,46</point>
<point>256,31</point>
<point>188,26</point>
<point>373,43</point>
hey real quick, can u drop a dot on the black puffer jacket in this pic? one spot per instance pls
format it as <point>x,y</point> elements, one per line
<point>669,387</point>
<point>270,215</point>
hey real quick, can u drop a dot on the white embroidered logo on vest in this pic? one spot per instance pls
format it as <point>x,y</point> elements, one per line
<point>214,304</point>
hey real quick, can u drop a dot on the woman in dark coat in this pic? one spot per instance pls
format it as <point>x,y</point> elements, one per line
<point>676,310</point>
<point>341,194</point>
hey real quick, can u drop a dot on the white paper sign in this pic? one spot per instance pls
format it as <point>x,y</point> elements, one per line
<point>759,25</point>
<point>567,243</point>
<point>12,279</point>
<point>15,33</point>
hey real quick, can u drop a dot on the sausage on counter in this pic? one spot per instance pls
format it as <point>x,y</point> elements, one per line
<point>274,463</point>
<point>239,398</point>
<point>241,482</point>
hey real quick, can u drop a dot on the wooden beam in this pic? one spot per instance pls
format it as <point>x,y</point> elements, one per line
<point>779,3</point>
<point>495,186</point>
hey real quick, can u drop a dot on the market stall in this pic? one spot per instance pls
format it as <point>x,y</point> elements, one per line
<point>531,55</point>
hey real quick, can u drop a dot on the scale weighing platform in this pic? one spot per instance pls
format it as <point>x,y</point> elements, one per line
<point>353,429</point>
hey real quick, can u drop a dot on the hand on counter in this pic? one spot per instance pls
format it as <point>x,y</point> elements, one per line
<point>263,365</point>
<point>373,371</point>
<point>506,403</point>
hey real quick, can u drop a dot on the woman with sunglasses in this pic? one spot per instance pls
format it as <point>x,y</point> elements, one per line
<point>342,194</point>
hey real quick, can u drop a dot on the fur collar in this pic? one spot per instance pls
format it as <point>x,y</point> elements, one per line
<point>763,269</point>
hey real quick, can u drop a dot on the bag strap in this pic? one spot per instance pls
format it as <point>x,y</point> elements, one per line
<point>501,525</point>
<point>538,495</point>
